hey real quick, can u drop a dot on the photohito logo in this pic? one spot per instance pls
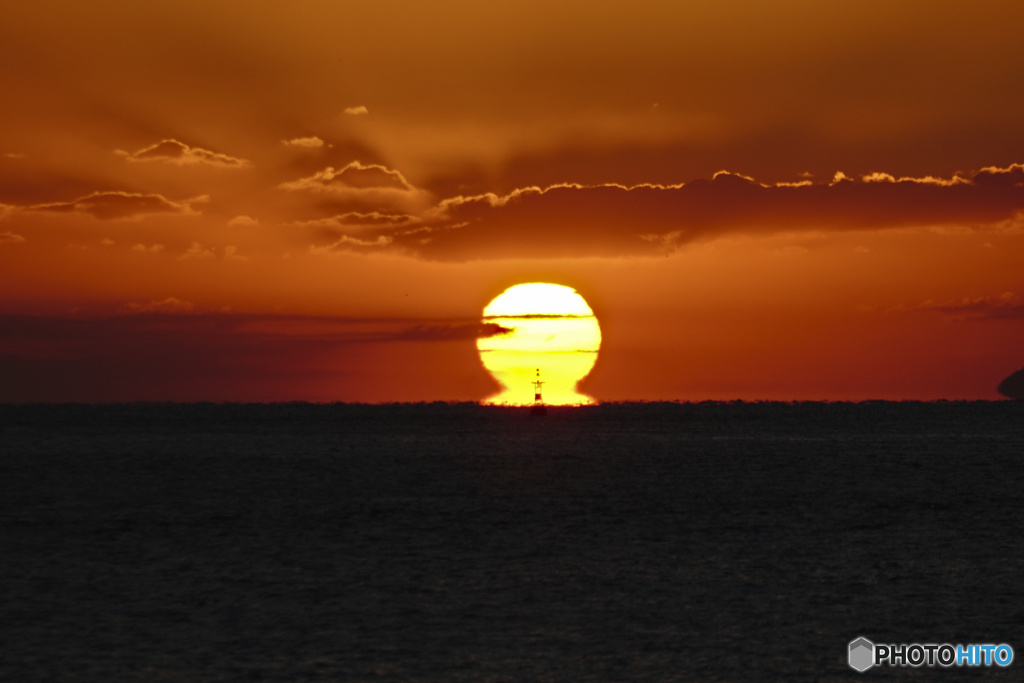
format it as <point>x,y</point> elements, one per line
<point>863,654</point>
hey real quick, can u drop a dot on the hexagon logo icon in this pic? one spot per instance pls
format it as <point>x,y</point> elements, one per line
<point>862,654</point>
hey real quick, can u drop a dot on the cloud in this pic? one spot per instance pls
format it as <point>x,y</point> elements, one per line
<point>354,176</point>
<point>572,220</point>
<point>177,316</point>
<point>121,205</point>
<point>360,187</point>
<point>10,238</point>
<point>536,316</point>
<point>197,251</point>
<point>346,330</point>
<point>346,243</point>
<point>357,111</point>
<point>231,254</point>
<point>343,230</point>
<point>151,249</point>
<point>175,152</point>
<point>1014,225</point>
<point>166,350</point>
<point>881,177</point>
<point>992,176</point>
<point>336,226</point>
<point>1006,306</point>
<point>450,332</point>
<point>312,142</point>
<point>246,221</point>
<point>169,306</point>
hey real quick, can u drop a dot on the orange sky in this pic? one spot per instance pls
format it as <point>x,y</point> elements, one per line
<point>315,200</point>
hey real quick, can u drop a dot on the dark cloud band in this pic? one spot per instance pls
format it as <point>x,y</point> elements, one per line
<point>567,221</point>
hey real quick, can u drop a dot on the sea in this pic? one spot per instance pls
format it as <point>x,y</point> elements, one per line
<point>736,541</point>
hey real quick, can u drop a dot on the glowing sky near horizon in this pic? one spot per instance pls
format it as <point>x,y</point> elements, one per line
<point>790,200</point>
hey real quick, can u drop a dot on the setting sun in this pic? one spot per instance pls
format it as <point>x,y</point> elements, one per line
<point>553,331</point>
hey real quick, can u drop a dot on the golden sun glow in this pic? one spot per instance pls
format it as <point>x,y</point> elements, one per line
<point>553,330</point>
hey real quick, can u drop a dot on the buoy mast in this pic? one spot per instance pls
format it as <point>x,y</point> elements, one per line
<point>538,402</point>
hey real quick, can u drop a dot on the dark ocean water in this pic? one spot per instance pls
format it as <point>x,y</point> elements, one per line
<point>435,542</point>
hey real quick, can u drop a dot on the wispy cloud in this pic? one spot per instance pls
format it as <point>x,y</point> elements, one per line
<point>175,152</point>
<point>347,330</point>
<point>1005,306</point>
<point>169,306</point>
<point>359,187</point>
<point>10,238</point>
<point>312,142</point>
<point>536,316</point>
<point>231,254</point>
<point>121,205</point>
<point>343,231</point>
<point>243,221</point>
<point>450,332</point>
<point>357,111</point>
<point>198,252</point>
<point>354,176</point>
<point>151,249</point>
<point>360,220</point>
<point>168,349</point>
<point>347,243</point>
